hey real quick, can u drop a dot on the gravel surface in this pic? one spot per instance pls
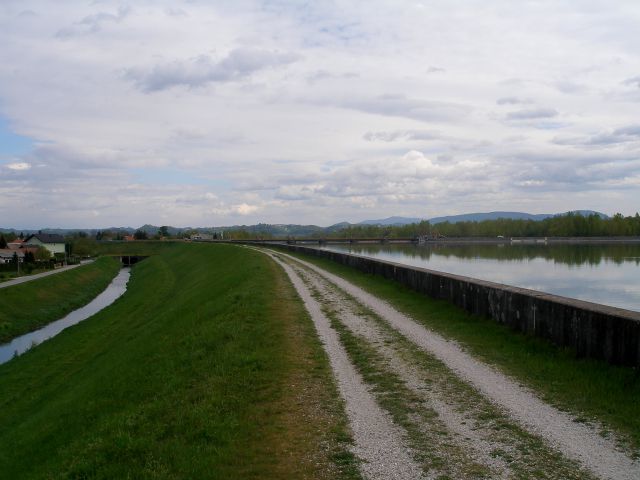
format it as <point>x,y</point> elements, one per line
<point>378,442</point>
<point>576,441</point>
<point>471,442</point>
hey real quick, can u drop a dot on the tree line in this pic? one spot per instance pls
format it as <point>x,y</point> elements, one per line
<point>569,225</point>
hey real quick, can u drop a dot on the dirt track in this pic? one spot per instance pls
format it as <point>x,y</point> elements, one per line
<point>421,407</point>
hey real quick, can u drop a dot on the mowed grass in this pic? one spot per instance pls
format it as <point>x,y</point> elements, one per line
<point>591,390</point>
<point>208,367</point>
<point>31,305</point>
<point>137,247</point>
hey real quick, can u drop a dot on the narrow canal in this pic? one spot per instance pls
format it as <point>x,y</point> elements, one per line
<point>21,344</point>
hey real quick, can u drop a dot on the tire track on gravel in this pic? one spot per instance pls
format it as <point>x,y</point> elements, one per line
<point>378,442</point>
<point>574,440</point>
<point>457,432</point>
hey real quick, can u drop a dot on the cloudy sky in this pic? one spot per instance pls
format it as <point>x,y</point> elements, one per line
<point>237,112</point>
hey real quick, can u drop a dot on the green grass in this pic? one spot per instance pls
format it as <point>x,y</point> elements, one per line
<point>10,275</point>
<point>590,389</point>
<point>31,305</point>
<point>205,368</point>
<point>138,247</point>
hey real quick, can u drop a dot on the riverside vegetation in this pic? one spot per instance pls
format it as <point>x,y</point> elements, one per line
<point>207,367</point>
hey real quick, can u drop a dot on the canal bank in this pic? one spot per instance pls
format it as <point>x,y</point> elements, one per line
<point>592,330</point>
<point>32,305</point>
<point>21,344</point>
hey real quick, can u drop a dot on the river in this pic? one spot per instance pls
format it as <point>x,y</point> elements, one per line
<point>21,344</point>
<point>605,274</point>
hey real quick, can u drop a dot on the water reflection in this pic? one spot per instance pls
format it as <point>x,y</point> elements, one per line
<point>23,343</point>
<point>607,274</point>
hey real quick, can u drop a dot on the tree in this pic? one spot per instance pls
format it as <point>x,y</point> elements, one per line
<point>140,235</point>
<point>3,242</point>
<point>163,231</point>
<point>42,254</point>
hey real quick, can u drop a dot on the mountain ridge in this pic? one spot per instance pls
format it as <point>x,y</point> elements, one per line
<point>299,230</point>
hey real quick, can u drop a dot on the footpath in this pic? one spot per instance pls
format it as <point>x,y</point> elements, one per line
<point>28,278</point>
<point>420,406</point>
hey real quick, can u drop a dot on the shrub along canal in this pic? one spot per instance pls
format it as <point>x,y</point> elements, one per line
<point>21,344</point>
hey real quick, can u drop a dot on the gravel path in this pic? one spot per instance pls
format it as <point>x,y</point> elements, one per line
<point>378,442</point>
<point>472,446</point>
<point>576,441</point>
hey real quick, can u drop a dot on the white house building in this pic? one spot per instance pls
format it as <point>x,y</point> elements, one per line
<point>202,236</point>
<point>51,241</point>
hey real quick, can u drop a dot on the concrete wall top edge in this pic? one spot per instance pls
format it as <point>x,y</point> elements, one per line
<point>567,301</point>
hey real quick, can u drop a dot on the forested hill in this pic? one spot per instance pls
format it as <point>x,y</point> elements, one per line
<point>574,224</point>
<point>569,225</point>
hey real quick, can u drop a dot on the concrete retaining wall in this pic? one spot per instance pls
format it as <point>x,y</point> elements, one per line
<point>593,330</point>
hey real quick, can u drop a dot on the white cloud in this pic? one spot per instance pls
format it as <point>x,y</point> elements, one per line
<point>18,166</point>
<point>239,112</point>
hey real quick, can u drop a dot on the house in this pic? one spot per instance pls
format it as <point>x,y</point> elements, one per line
<point>51,241</point>
<point>6,255</point>
<point>15,244</point>
<point>129,238</point>
<point>202,236</point>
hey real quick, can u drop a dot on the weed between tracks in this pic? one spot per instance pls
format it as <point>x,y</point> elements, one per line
<point>440,450</point>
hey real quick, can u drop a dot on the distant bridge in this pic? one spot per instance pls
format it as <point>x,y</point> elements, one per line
<point>325,241</point>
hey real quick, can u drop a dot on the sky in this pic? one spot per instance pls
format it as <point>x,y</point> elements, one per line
<point>210,113</point>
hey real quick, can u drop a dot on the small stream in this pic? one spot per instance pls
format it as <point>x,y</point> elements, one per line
<point>23,343</point>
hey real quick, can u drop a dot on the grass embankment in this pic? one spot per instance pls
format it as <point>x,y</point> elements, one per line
<point>31,305</point>
<point>208,367</point>
<point>589,389</point>
<point>138,247</point>
<point>10,275</point>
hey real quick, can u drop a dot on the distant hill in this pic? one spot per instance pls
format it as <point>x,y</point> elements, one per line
<point>479,217</point>
<point>283,230</point>
<point>276,229</point>
<point>392,221</point>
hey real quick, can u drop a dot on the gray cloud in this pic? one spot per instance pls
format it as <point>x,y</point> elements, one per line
<point>326,75</point>
<point>569,87</point>
<point>202,70</point>
<point>618,136</point>
<point>94,23</point>
<point>629,131</point>
<point>398,105</point>
<point>406,135</point>
<point>633,81</point>
<point>532,114</point>
<point>513,101</point>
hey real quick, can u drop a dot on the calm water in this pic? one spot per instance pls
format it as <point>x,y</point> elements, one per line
<point>21,344</point>
<point>607,274</point>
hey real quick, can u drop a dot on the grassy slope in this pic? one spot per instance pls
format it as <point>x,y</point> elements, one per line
<point>590,389</point>
<point>29,306</point>
<point>138,247</point>
<point>188,375</point>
